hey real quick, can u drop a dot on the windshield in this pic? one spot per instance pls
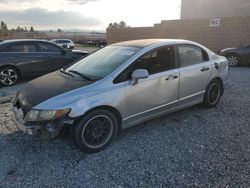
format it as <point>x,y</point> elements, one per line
<point>103,62</point>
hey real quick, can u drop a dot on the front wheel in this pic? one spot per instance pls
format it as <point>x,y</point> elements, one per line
<point>213,94</point>
<point>95,130</point>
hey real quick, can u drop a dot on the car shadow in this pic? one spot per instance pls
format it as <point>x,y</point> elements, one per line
<point>171,120</point>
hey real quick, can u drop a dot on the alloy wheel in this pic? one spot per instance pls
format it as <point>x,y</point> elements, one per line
<point>233,61</point>
<point>214,93</point>
<point>8,76</point>
<point>97,131</point>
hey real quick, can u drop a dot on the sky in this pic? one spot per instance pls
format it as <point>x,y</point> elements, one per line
<point>86,14</point>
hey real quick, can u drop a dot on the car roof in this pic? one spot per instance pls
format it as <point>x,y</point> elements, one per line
<point>148,42</point>
<point>60,39</point>
<point>22,40</point>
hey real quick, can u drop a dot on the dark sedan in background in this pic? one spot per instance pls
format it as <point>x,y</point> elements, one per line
<point>21,59</point>
<point>237,56</point>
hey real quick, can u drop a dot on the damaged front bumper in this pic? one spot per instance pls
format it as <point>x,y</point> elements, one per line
<point>38,127</point>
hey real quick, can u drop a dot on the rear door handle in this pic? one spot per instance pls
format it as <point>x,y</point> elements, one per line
<point>172,76</point>
<point>204,69</point>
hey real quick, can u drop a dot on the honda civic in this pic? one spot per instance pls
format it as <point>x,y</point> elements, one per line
<point>119,86</point>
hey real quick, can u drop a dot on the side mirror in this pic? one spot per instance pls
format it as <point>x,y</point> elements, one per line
<point>139,74</point>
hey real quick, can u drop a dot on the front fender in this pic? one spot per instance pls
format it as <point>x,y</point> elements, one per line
<point>115,100</point>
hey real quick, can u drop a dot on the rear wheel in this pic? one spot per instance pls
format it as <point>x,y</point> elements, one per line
<point>95,131</point>
<point>9,76</point>
<point>213,94</point>
<point>233,60</point>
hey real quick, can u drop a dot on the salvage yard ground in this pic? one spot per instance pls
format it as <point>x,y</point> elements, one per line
<point>195,147</point>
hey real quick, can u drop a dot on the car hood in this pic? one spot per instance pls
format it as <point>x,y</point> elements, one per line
<point>46,87</point>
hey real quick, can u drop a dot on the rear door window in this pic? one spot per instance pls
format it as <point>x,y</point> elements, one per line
<point>22,47</point>
<point>64,41</point>
<point>191,55</point>
<point>46,47</point>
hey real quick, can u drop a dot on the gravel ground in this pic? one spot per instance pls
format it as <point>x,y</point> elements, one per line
<point>195,147</point>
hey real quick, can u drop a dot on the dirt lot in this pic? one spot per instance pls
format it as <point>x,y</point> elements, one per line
<point>195,147</point>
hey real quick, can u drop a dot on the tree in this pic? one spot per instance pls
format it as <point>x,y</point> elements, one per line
<point>59,30</point>
<point>32,29</point>
<point>18,29</point>
<point>4,26</point>
<point>122,24</point>
<point>115,25</point>
<point>3,29</point>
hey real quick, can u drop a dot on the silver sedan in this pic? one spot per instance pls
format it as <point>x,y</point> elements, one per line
<point>119,86</point>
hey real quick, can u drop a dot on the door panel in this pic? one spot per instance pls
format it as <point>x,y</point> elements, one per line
<point>194,79</point>
<point>57,60</point>
<point>152,94</point>
<point>156,93</point>
<point>32,64</point>
<point>27,57</point>
<point>55,57</point>
<point>195,71</point>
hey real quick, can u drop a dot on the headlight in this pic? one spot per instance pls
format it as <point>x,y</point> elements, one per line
<point>45,115</point>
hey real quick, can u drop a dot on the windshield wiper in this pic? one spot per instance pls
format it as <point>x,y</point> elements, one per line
<point>82,75</point>
<point>64,72</point>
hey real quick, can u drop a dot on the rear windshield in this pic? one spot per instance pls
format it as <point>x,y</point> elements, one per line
<point>67,41</point>
<point>64,41</point>
<point>103,62</point>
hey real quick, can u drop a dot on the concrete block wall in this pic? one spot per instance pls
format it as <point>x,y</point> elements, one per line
<point>232,31</point>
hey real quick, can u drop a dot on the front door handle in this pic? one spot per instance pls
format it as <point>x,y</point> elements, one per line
<point>172,76</point>
<point>204,69</point>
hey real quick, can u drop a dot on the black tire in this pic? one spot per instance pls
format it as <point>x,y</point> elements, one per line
<point>100,126</point>
<point>233,60</point>
<point>213,93</point>
<point>9,76</point>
